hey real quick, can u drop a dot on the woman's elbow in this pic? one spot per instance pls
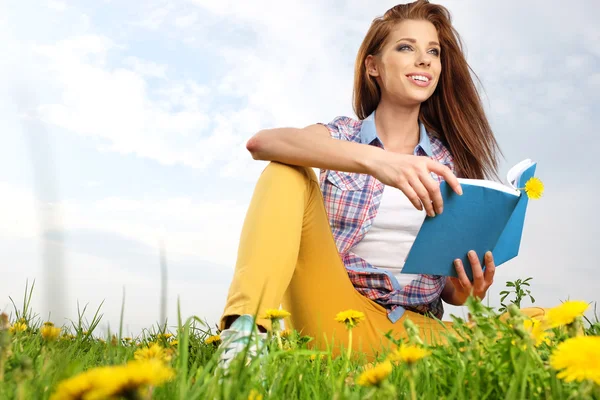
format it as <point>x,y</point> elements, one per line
<point>254,145</point>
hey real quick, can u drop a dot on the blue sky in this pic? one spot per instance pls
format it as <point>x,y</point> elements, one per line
<point>136,115</point>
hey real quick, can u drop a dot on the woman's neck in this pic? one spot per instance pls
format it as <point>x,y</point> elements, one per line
<point>397,126</point>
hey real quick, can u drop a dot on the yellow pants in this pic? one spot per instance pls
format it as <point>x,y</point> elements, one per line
<point>287,255</point>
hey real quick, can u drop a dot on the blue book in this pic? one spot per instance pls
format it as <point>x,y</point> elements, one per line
<point>488,216</point>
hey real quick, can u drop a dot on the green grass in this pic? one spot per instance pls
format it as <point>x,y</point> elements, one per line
<point>491,360</point>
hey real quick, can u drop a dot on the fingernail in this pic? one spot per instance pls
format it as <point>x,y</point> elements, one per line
<point>471,252</point>
<point>460,192</point>
<point>456,262</point>
<point>441,210</point>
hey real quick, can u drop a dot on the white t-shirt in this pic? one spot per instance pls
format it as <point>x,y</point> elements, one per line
<point>392,234</point>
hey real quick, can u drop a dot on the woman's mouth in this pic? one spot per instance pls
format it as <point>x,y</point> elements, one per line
<point>421,80</point>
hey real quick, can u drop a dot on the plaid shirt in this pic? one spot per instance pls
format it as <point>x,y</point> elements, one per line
<point>352,201</point>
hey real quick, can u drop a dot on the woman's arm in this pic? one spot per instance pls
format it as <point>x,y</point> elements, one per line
<point>314,147</point>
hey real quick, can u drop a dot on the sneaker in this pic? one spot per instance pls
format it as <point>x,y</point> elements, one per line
<point>241,336</point>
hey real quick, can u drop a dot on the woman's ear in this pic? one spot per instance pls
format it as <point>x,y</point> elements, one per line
<point>371,66</point>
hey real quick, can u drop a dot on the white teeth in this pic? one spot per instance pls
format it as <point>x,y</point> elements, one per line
<point>419,78</point>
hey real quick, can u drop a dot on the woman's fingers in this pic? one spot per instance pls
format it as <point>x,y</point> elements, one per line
<point>462,275</point>
<point>412,195</point>
<point>433,188</point>
<point>445,173</point>
<point>423,194</point>
<point>478,279</point>
<point>490,268</point>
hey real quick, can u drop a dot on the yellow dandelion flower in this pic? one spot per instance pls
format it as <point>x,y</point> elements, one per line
<point>153,352</point>
<point>565,313</point>
<point>409,354</point>
<point>76,387</point>
<point>135,376</point>
<point>165,336</point>
<point>113,381</point>
<point>350,317</point>
<point>534,188</point>
<point>536,330</point>
<point>375,375</point>
<point>255,395</point>
<point>313,357</point>
<point>174,342</point>
<point>276,314</point>
<point>578,359</point>
<point>49,332</point>
<point>286,333</point>
<point>215,339</point>
<point>18,327</point>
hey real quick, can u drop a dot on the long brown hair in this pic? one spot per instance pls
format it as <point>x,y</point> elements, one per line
<point>454,112</point>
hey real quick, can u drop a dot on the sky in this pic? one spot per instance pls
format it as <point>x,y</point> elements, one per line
<point>124,126</point>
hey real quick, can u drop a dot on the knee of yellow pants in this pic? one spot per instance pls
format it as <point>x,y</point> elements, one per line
<point>288,171</point>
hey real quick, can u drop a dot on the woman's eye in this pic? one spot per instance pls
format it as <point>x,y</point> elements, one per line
<point>407,47</point>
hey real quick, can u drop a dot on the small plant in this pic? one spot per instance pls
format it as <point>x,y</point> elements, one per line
<point>518,291</point>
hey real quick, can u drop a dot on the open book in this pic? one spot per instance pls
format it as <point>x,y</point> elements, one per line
<point>488,216</point>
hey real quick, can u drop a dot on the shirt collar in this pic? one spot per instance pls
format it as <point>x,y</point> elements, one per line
<point>368,133</point>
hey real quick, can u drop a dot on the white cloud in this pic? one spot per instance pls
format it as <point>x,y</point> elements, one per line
<point>146,68</point>
<point>207,230</point>
<point>57,5</point>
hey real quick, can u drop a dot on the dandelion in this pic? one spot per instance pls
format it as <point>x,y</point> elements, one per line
<point>215,339</point>
<point>164,336</point>
<point>578,359</point>
<point>566,313</point>
<point>255,395</point>
<point>18,327</point>
<point>535,328</point>
<point>115,381</point>
<point>49,332</point>
<point>408,354</point>
<point>174,342</point>
<point>153,352</point>
<point>534,188</point>
<point>350,317</point>
<point>276,314</point>
<point>375,375</point>
<point>286,333</point>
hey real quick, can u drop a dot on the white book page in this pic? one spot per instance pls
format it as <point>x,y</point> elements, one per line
<point>515,172</point>
<point>512,177</point>
<point>490,184</point>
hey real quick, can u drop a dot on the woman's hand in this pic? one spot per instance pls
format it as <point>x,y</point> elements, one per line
<point>461,287</point>
<point>412,175</point>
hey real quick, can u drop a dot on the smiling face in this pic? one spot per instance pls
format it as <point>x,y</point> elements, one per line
<point>408,67</point>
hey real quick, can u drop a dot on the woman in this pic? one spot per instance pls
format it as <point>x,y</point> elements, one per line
<point>321,246</point>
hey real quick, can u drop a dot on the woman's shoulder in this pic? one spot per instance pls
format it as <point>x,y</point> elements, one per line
<point>344,127</point>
